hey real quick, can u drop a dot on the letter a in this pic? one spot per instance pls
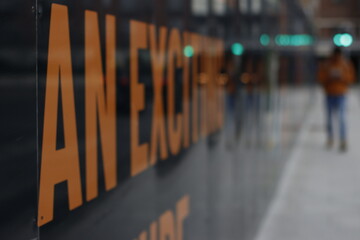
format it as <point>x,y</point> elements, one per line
<point>59,165</point>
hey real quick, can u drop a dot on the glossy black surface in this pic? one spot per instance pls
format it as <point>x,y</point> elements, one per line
<point>18,171</point>
<point>230,176</point>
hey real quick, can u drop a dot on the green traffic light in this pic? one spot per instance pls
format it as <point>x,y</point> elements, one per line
<point>286,40</point>
<point>189,51</point>
<point>264,39</point>
<point>296,40</point>
<point>237,49</point>
<point>346,40</point>
<point>283,40</point>
<point>343,40</point>
<point>337,40</point>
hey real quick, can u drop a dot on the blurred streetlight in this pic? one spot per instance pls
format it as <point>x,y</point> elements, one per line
<point>264,39</point>
<point>189,51</point>
<point>343,39</point>
<point>237,49</point>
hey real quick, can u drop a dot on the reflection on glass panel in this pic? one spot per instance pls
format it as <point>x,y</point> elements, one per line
<point>176,5</point>
<point>255,6</point>
<point>272,4</point>
<point>243,4</point>
<point>199,7</point>
<point>129,6</point>
<point>219,7</point>
<point>107,3</point>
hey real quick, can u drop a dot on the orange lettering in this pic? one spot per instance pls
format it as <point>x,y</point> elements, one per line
<point>195,42</point>
<point>158,65</point>
<point>95,87</point>
<point>175,130</point>
<point>167,226</point>
<point>59,165</point>
<point>186,93</point>
<point>138,40</point>
<point>182,212</point>
<point>169,229</point>
<point>153,231</point>
<point>143,236</point>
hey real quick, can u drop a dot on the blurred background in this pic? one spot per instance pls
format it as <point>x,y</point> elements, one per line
<point>271,172</point>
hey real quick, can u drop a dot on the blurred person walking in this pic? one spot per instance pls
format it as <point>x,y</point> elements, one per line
<point>335,75</point>
<point>229,73</point>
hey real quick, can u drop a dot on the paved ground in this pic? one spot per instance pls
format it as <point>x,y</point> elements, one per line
<point>319,195</point>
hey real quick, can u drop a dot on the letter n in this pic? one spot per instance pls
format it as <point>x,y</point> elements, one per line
<point>100,101</point>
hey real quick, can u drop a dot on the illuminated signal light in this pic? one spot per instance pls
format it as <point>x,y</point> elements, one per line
<point>286,39</point>
<point>189,51</point>
<point>237,49</point>
<point>343,40</point>
<point>283,40</point>
<point>296,40</point>
<point>337,40</point>
<point>264,39</point>
<point>346,40</point>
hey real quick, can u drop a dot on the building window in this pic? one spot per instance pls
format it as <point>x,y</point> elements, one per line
<point>219,7</point>
<point>255,6</point>
<point>243,5</point>
<point>199,7</point>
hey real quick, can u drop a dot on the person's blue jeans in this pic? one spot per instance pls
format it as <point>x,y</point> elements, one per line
<point>336,105</point>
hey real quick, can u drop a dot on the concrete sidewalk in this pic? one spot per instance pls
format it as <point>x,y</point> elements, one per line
<point>319,195</point>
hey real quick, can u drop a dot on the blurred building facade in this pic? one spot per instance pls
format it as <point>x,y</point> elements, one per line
<point>331,17</point>
<point>334,16</point>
